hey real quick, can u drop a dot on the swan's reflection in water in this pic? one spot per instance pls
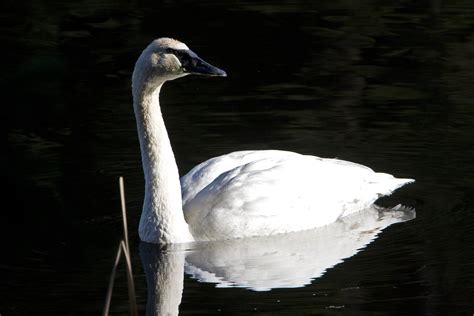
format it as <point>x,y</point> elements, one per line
<point>260,263</point>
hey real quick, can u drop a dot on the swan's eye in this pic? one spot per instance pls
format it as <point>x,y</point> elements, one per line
<point>184,56</point>
<point>192,64</point>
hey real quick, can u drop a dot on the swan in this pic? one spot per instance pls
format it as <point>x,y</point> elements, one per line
<point>241,194</point>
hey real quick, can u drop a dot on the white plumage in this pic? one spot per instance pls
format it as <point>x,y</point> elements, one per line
<point>241,194</point>
<point>255,193</point>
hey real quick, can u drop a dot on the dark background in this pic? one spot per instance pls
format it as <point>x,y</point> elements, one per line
<point>388,84</point>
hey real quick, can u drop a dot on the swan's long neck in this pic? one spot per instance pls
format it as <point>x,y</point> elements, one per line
<point>162,219</point>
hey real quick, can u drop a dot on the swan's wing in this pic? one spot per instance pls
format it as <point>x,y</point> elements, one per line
<point>206,172</point>
<point>271,192</point>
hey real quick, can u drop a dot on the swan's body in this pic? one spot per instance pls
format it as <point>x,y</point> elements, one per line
<point>255,193</point>
<point>241,194</point>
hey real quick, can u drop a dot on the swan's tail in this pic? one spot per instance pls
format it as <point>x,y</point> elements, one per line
<point>382,184</point>
<point>401,182</point>
<point>386,183</point>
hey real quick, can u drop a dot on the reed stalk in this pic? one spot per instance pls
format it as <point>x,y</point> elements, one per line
<point>123,247</point>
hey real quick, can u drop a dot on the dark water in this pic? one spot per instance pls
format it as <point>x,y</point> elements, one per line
<point>388,84</point>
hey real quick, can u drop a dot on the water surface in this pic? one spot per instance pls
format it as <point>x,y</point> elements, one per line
<point>386,84</point>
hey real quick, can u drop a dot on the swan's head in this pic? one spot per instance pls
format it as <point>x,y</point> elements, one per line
<point>167,59</point>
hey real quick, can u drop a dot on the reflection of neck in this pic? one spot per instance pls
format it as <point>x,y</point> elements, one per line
<point>164,271</point>
<point>162,219</point>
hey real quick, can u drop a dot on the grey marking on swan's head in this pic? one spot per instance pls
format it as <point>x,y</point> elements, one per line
<point>167,59</point>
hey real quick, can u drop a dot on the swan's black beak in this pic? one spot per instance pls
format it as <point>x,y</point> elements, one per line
<point>193,64</point>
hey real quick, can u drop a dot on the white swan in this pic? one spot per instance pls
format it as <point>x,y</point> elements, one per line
<point>241,194</point>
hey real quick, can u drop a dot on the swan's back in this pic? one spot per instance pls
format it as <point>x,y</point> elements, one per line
<point>206,172</point>
<point>250,193</point>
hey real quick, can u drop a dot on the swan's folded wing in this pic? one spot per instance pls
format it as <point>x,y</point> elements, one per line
<point>206,172</point>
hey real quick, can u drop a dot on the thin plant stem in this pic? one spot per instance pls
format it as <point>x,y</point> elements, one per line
<point>131,284</point>
<point>123,246</point>
<point>108,298</point>
<point>124,212</point>
<point>126,251</point>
